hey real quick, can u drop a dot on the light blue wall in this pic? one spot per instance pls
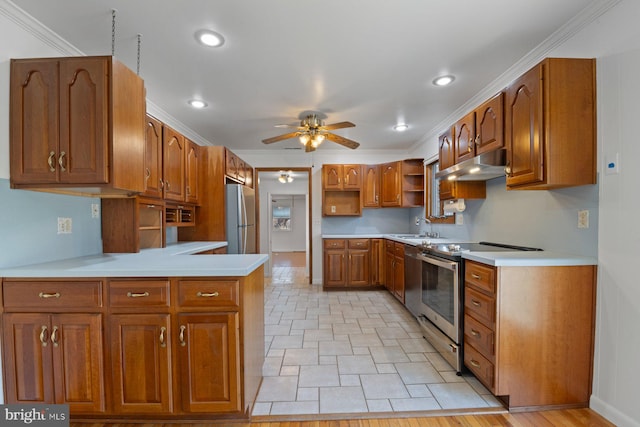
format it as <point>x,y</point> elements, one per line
<point>544,219</point>
<point>29,222</point>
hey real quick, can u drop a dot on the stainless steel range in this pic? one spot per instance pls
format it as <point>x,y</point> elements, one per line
<point>434,293</point>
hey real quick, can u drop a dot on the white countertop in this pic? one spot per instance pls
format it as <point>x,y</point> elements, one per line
<point>498,259</point>
<point>174,260</point>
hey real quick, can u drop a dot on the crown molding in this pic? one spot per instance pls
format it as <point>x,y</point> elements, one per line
<point>572,27</point>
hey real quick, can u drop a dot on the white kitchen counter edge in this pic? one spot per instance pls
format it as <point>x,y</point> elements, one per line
<point>529,259</point>
<point>175,260</point>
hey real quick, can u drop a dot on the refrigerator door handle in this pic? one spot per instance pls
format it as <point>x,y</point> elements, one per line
<point>243,210</point>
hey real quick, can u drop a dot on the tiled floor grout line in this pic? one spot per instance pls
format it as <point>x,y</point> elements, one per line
<point>351,352</point>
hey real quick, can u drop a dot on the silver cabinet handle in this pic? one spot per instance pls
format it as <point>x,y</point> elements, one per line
<point>163,331</point>
<point>61,161</point>
<point>475,303</point>
<point>52,166</point>
<point>54,336</point>
<point>43,336</point>
<point>49,295</point>
<point>137,294</point>
<point>475,333</point>
<point>181,336</point>
<point>475,363</point>
<point>207,294</point>
<point>475,276</point>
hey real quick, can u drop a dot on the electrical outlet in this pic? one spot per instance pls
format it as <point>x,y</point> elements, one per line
<point>64,225</point>
<point>459,219</point>
<point>583,219</point>
<point>95,210</point>
<point>333,209</point>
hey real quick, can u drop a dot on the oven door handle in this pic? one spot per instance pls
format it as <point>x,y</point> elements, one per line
<point>449,265</point>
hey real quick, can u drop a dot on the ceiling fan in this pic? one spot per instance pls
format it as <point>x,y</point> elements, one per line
<point>312,131</point>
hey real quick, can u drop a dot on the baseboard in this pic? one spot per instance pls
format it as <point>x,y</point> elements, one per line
<point>612,414</point>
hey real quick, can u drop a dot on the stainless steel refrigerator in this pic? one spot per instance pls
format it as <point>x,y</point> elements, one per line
<point>240,204</point>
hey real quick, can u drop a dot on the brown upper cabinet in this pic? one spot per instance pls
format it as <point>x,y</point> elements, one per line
<point>342,177</point>
<point>402,183</point>
<point>153,182</point>
<point>173,164</point>
<point>192,161</point>
<point>446,153</point>
<point>76,122</point>
<point>371,183</point>
<point>480,131</point>
<point>550,125</point>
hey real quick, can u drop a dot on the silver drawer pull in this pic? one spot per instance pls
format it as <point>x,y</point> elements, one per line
<point>49,295</point>
<point>137,294</point>
<point>475,276</point>
<point>475,363</point>
<point>475,303</point>
<point>207,294</point>
<point>475,333</point>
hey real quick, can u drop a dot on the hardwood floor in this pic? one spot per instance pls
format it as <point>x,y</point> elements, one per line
<point>289,259</point>
<point>569,417</point>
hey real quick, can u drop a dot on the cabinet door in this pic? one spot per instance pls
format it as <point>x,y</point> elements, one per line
<point>524,131</point>
<point>391,185</point>
<point>446,153</point>
<point>192,188</point>
<point>140,363</point>
<point>377,261</point>
<point>34,121</point>
<point>352,175</point>
<point>28,363</point>
<point>398,278</point>
<point>335,272</point>
<point>173,164</point>
<point>446,189</point>
<point>84,121</point>
<point>359,267</point>
<point>332,177</point>
<point>76,343</point>
<point>464,137</point>
<point>208,357</point>
<point>490,125</point>
<point>371,186</point>
<point>153,158</point>
<point>389,262</point>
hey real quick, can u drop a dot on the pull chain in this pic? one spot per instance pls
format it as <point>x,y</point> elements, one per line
<point>113,32</point>
<point>138,58</point>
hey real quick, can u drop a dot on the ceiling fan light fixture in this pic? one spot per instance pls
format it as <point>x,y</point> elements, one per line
<point>285,177</point>
<point>444,80</point>
<point>209,38</point>
<point>304,138</point>
<point>401,127</point>
<point>317,140</point>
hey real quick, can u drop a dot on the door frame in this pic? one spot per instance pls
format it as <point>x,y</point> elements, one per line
<point>309,221</point>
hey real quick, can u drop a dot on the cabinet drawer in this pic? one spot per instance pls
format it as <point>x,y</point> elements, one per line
<point>398,250</point>
<point>479,365</point>
<point>49,296</point>
<point>334,244</point>
<point>480,306</point>
<point>480,337</point>
<point>481,276</point>
<point>139,293</point>
<point>358,243</point>
<point>208,293</point>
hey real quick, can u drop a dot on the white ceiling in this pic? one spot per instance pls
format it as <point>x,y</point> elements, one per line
<point>370,62</point>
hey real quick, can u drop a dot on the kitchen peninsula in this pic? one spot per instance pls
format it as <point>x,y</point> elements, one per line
<point>189,325</point>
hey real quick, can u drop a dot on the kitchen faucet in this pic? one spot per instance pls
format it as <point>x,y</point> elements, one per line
<point>430,233</point>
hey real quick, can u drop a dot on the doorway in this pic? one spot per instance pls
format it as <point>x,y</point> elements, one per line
<point>284,218</point>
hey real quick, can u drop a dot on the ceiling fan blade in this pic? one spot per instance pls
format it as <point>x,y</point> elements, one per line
<point>342,140</point>
<point>280,138</point>
<point>309,148</point>
<point>340,125</point>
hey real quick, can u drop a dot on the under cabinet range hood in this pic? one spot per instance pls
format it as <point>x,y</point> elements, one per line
<point>483,167</point>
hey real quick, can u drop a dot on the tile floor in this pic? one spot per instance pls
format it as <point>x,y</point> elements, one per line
<point>351,352</point>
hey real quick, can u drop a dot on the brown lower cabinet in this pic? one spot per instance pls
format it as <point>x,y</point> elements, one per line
<point>174,348</point>
<point>394,269</point>
<point>529,333</point>
<point>352,263</point>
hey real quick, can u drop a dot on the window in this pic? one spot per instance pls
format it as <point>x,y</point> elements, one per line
<point>281,218</point>
<point>433,204</point>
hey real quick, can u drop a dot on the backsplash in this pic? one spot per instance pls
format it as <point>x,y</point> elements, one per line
<point>28,227</point>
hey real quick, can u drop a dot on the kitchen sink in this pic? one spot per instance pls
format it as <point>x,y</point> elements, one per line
<point>409,236</point>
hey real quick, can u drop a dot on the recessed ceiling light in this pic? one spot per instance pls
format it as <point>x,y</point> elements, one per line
<point>197,103</point>
<point>444,80</point>
<point>209,38</point>
<point>401,127</point>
